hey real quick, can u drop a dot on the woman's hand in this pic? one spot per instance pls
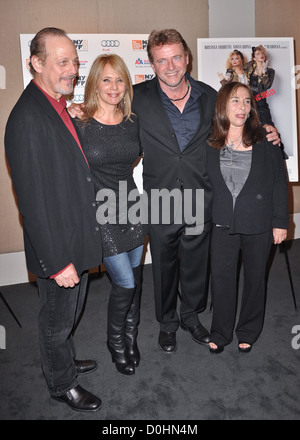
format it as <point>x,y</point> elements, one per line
<point>75,110</point>
<point>279,235</point>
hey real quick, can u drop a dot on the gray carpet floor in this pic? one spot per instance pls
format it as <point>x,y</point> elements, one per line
<point>190,385</point>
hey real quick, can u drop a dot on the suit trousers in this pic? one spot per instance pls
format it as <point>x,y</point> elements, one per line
<point>60,309</point>
<point>225,254</point>
<point>179,259</point>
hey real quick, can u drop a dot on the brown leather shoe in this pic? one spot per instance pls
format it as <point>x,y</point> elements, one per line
<point>85,367</point>
<point>80,399</point>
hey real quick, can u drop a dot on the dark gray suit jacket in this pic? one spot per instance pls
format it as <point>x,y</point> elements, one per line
<point>54,188</point>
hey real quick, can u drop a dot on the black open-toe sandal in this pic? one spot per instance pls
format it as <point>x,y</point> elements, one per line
<point>216,350</point>
<point>245,349</point>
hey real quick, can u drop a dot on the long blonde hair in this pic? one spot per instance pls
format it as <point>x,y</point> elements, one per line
<point>91,104</point>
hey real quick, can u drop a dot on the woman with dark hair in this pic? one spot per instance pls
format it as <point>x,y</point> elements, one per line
<point>250,210</point>
<point>109,133</point>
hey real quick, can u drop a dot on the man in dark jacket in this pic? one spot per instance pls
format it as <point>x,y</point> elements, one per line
<point>56,199</point>
<point>175,114</point>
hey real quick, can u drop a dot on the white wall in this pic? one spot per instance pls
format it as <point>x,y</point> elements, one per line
<point>231,18</point>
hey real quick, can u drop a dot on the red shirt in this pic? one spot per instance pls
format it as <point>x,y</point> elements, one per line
<point>60,106</point>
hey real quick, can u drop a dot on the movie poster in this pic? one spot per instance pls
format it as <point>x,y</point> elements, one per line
<point>277,88</point>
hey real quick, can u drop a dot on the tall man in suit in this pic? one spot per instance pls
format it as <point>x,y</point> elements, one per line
<point>175,115</point>
<point>56,199</point>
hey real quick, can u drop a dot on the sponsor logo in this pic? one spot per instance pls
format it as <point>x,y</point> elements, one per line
<point>82,64</point>
<point>141,78</point>
<point>139,44</point>
<point>142,63</point>
<point>110,43</point>
<point>79,97</point>
<point>80,81</point>
<point>81,44</point>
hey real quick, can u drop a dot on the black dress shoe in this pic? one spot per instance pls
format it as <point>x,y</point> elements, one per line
<point>85,367</point>
<point>80,399</point>
<point>198,332</point>
<point>167,342</point>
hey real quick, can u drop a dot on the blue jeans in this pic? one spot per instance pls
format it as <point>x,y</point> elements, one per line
<point>120,267</point>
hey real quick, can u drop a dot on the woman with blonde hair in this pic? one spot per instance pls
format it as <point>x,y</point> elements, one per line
<point>92,104</point>
<point>235,68</point>
<point>109,134</point>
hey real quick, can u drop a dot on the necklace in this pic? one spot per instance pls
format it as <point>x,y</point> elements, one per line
<point>180,99</point>
<point>231,144</point>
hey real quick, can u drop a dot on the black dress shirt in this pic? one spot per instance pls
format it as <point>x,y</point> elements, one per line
<point>186,123</point>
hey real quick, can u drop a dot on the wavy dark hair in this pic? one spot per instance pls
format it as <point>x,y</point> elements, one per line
<point>252,131</point>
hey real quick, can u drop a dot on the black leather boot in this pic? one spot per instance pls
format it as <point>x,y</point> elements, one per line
<point>120,300</point>
<point>133,319</point>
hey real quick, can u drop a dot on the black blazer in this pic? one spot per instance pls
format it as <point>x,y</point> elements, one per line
<point>164,165</point>
<point>54,188</point>
<point>263,201</point>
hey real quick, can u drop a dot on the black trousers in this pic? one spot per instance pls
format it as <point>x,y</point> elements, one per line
<point>60,310</point>
<point>179,258</point>
<point>225,249</point>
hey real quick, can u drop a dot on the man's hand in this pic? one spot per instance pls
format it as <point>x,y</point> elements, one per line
<point>75,110</point>
<point>279,235</point>
<point>273,135</point>
<point>68,277</point>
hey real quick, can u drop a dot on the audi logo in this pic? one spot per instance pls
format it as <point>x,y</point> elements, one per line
<point>78,98</point>
<point>110,43</point>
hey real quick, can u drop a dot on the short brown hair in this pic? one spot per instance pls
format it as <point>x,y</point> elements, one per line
<point>161,38</point>
<point>38,47</point>
<point>252,131</point>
